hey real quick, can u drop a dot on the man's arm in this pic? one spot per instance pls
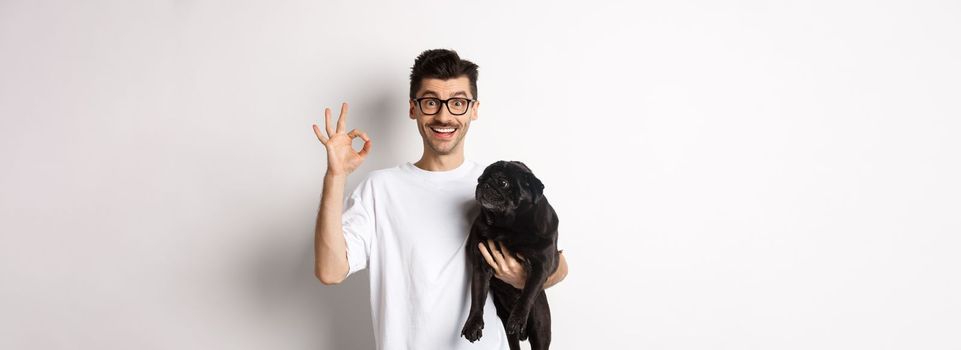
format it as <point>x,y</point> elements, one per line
<point>330,247</point>
<point>559,274</point>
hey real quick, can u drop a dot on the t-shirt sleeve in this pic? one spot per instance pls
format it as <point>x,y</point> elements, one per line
<point>358,226</point>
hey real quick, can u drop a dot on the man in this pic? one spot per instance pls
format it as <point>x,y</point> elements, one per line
<point>410,223</point>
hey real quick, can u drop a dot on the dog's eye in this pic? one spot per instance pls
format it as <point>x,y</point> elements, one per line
<point>504,183</point>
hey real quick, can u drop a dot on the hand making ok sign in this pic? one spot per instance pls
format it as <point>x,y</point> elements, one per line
<point>341,157</point>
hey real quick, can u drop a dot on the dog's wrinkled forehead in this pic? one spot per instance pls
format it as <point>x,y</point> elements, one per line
<point>510,169</point>
<point>521,166</point>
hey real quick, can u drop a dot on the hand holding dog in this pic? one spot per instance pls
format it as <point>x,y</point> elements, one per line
<point>505,266</point>
<point>513,272</point>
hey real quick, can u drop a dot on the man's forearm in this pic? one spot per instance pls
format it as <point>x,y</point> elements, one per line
<point>559,274</point>
<point>330,248</point>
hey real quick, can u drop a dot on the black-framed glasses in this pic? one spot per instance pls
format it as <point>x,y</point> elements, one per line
<point>455,105</point>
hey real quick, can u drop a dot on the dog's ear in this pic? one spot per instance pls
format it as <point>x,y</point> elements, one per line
<point>522,165</point>
<point>534,185</point>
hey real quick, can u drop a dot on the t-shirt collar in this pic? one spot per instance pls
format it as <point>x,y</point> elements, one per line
<point>456,173</point>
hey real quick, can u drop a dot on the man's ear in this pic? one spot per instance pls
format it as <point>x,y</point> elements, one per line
<point>412,111</point>
<point>473,111</point>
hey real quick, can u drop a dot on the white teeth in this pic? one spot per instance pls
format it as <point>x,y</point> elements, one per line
<point>443,130</point>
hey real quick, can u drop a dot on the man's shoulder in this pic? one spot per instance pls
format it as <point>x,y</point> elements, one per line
<point>479,166</point>
<point>382,174</point>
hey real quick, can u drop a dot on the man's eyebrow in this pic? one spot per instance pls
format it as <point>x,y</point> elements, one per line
<point>430,92</point>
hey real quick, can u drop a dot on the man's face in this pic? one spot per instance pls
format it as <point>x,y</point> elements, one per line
<point>431,126</point>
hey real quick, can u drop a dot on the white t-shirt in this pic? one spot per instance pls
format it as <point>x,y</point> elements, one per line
<point>410,227</point>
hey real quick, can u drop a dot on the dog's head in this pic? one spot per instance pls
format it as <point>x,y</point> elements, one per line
<point>508,186</point>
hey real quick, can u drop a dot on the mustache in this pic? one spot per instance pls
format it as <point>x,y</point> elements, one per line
<point>443,125</point>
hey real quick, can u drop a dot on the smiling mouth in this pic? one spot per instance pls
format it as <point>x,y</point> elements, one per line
<point>443,132</point>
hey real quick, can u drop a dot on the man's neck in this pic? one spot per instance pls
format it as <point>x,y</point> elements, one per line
<point>432,162</point>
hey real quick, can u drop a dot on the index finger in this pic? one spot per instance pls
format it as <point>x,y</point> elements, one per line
<point>487,256</point>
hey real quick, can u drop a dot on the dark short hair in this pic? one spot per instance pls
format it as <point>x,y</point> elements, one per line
<point>441,64</point>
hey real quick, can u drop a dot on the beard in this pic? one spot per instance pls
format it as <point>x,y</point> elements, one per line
<point>443,147</point>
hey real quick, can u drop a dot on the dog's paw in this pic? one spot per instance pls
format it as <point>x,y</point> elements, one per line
<point>516,324</point>
<point>472,328</point>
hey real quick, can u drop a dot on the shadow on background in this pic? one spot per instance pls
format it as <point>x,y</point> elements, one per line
<point>282,288</point>
<point>281,270</point>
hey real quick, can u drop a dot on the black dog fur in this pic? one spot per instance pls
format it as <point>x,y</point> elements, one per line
<point>514,213</point>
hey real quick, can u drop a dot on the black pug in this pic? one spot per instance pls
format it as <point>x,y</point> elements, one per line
<point>515,213</point>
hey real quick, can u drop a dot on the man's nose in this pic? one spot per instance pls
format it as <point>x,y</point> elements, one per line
<point>444,116</point>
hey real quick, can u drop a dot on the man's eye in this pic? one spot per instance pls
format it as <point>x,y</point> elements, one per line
<point>458,103</point>
<point>431,103</point>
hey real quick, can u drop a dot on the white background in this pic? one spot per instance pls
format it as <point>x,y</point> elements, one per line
<point>737,175</point>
